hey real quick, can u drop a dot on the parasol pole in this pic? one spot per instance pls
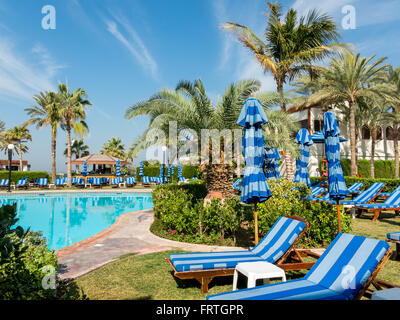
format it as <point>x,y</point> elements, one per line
<point>255,224</point>
<point>338,214</point>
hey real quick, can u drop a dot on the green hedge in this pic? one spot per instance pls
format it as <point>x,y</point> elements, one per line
<point>154,171</point>
<point>31,175</point>
<point>391,184</point>
<point>383,168</point>
<point>198,191</point>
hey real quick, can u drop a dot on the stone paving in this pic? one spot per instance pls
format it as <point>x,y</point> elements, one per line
<point>129,234</point>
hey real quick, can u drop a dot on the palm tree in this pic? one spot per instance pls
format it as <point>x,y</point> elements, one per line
<point>19,135</point>
<point>291,46</point>
<point>393,118</point>
<point>46,113</point>
<point>373,114</point>
<point>78,149</point>
<point>73,113</point>
<point>348,79</point>
<point>192,109</point>
<point>115,148</point>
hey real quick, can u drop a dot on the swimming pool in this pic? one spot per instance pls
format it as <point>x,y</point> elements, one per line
<point>65,219</point>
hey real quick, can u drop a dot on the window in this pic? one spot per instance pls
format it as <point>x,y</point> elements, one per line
<point>303,124</point>
<point>318,125</point>
<point>366,133</point>
<point>389,133</point>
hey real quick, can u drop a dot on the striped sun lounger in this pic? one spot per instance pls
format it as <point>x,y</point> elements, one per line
<point>146,181</point>
<point>43,182</point>
<point>4,183</point>
<point>344,272</point>
<point>130,181</point>
<point>96,182</point>
<point>275,247</point>
<point>237,185</point>
<point>364,197</point>
<point>316,192</point>
<point>392,203</point>
<point>395,237</point>
<point>114,182</point>
<point>22,183</point>
<point>316,198</point>
<point>79,182</point>
<point>59,182</point>
<point>355,188</point>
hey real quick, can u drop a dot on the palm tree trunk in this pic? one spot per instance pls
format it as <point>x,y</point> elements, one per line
<point>279,87</point>
<point>372,158</point>
<point>353,143</point>
<point>69,156</point>
<point>289,166</point>
<point>53,154</point>
<point>20,156</point>
<point>396,151</point>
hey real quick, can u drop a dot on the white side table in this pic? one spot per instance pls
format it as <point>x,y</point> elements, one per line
<point>257,270</point>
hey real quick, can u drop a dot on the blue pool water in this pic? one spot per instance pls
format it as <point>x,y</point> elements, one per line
<point>65,219</point>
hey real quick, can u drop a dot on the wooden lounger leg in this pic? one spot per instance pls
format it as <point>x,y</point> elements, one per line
<point>376,215</point>
<point>204,282</point>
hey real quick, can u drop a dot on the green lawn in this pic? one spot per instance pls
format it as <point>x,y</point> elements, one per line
<point>151,277</point>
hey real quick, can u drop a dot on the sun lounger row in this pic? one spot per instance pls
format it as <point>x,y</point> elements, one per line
<point>343,272</point>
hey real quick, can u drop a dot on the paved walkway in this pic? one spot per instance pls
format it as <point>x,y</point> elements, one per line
<point>130,233</point>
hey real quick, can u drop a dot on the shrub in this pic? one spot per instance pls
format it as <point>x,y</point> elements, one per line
<point>154,171</point>
<point>31,175</point>
<point>181,208</point>
<point>287,200</point>
<point>23,256</point>
<point>383,168</point>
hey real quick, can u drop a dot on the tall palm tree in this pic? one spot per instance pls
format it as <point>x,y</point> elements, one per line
<point>73,115</point>
<point>115,148</point>
<point>292,45</point>
<point>19,135</point>
<point>373,118</point>
<point>348,79</point>
<point>47,113</point>
<point>393,118</point>
<point>192,109</point>
<point>78,149</point>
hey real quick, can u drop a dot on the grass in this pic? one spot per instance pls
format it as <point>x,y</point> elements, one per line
<point>150,277</point>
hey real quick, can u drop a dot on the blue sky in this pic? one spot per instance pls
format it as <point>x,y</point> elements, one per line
<point>122,52</point>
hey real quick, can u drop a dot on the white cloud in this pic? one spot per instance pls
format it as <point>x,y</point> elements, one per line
<point>22,76</point>
<point>132,41</point>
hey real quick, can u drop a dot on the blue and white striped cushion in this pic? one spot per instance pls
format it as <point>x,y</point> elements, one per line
<point>394,236</point>
<point>4,182</point>
<point>363,197</point>
<point>393,201</point>
<point>317,191</point>
<point>355,187</point>
<point>291,290</point>
<point>271,248</point>
<point>145,180</point>
<point>22,182</point>
<point>347,263</point>
<point>338,274</point>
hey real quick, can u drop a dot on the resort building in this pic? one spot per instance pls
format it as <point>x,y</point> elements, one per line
<point>313,119</point>
<point>14,165</point>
